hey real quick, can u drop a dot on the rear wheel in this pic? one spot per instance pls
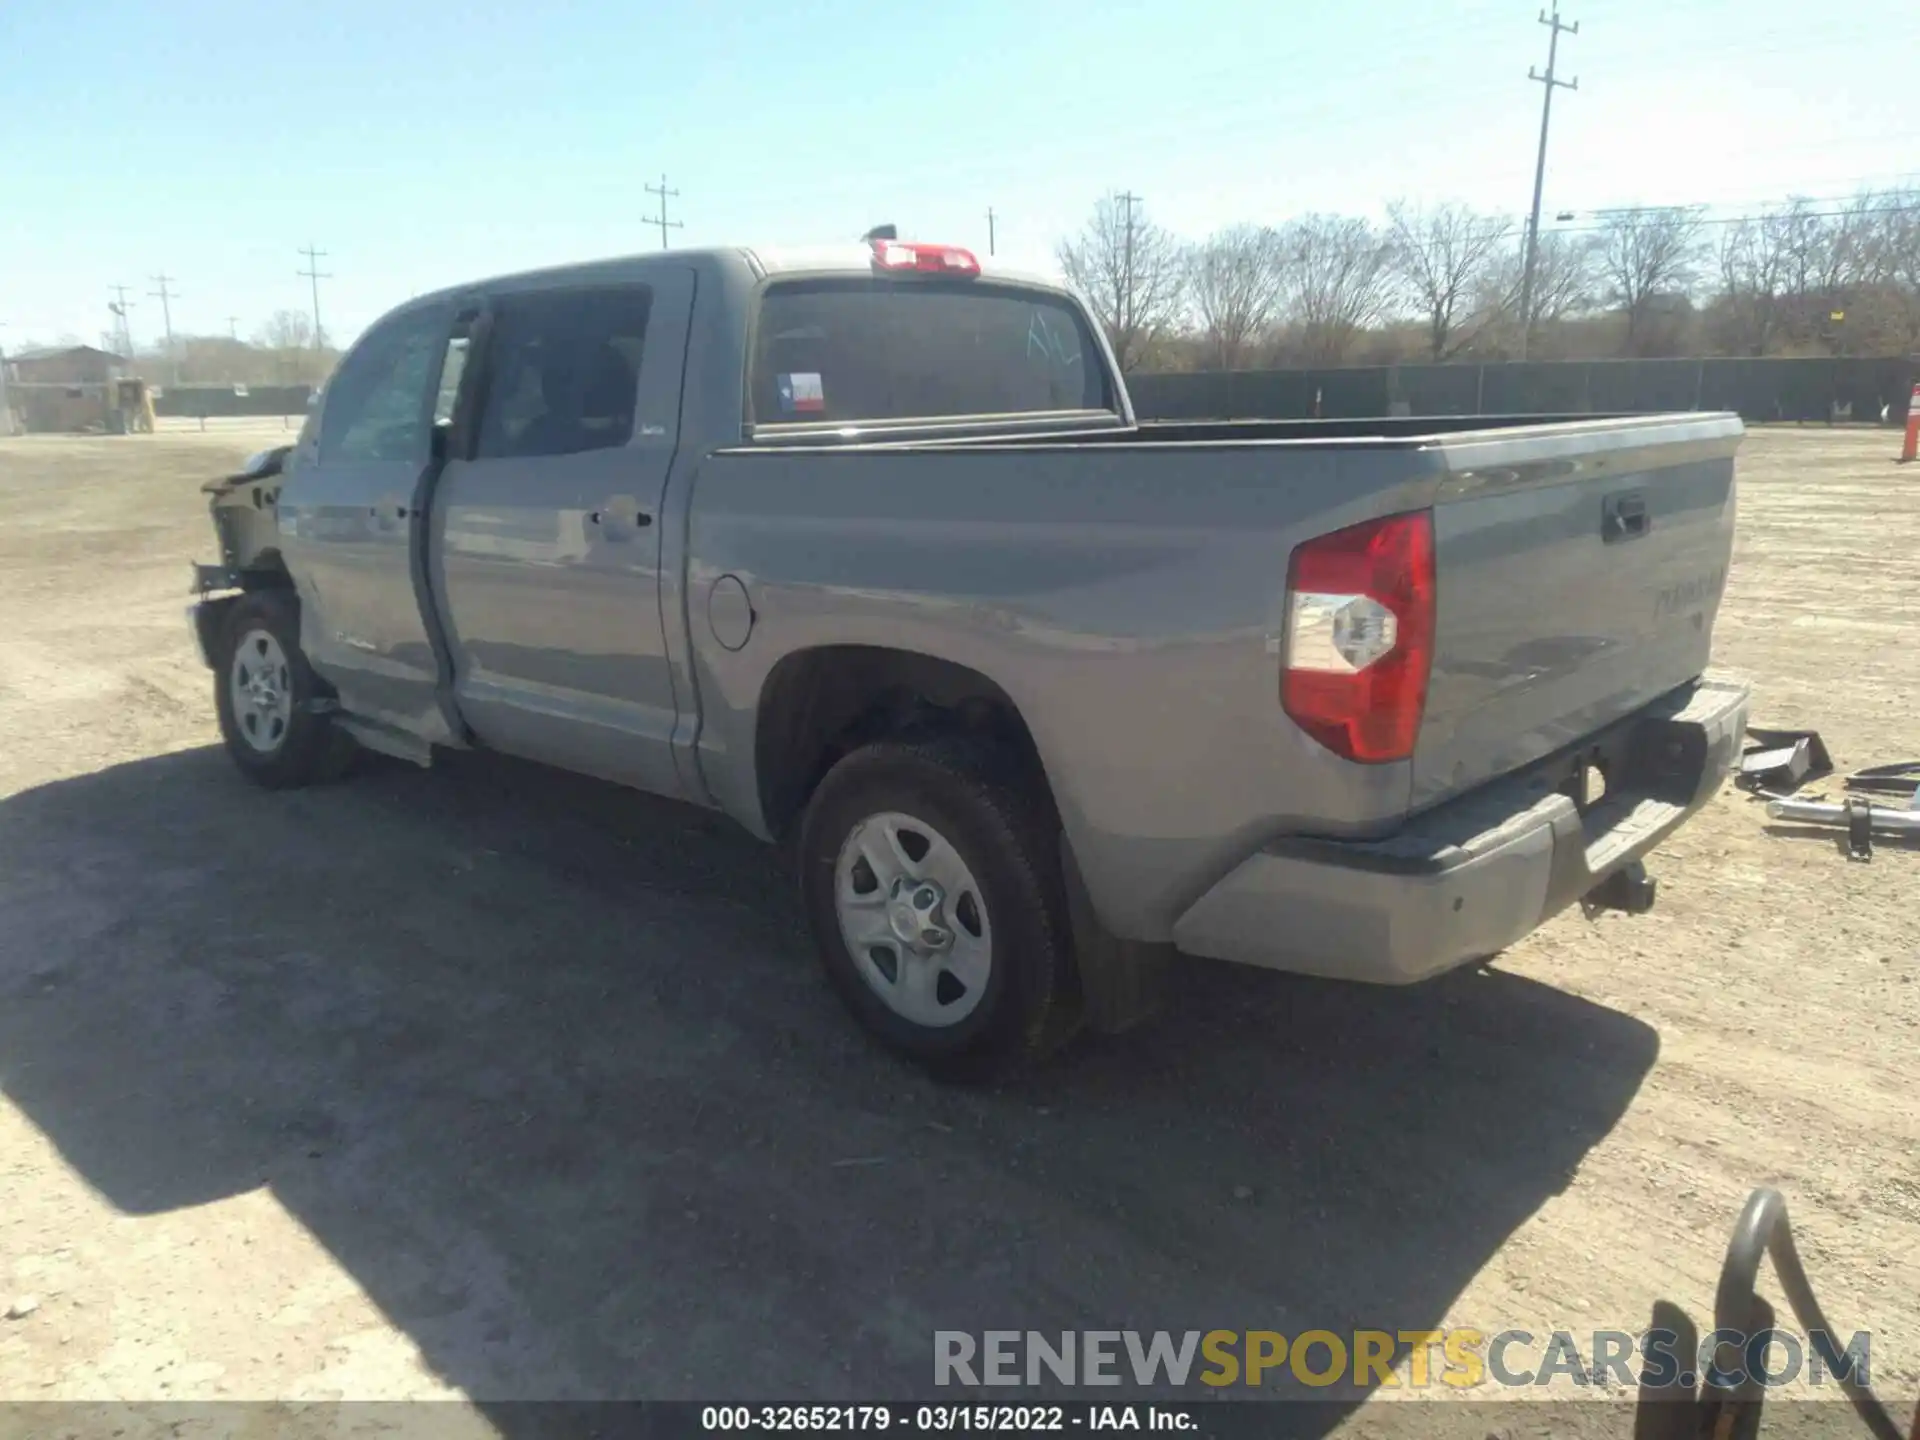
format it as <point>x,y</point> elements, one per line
<point>264,691</point>
<point>931,879</point>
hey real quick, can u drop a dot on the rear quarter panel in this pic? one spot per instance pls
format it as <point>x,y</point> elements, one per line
<point>1128,599</point>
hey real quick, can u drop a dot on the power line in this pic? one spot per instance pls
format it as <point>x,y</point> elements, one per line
<point>665,224</point>
<point>1551,82</point>
<point>1609,221</point>
<point>1792,206</point>
<point>1623,219</point>
<point>1860,192</point>
<point>315,274</point>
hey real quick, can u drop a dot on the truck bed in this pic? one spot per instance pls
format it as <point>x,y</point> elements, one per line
<point>1128,588</point>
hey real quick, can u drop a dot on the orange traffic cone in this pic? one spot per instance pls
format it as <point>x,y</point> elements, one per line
<point>1910,451</point>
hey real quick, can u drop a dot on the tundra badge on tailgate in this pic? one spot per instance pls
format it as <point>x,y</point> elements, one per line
<point>1689,593</point>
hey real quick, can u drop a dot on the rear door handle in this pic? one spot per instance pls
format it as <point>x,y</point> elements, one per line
<point>1624,516</point>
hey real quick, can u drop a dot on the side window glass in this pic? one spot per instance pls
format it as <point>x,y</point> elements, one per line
<point>376,406</point>
<point>565,371</point>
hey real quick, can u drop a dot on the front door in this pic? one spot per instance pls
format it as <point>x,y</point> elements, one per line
<point>346,522</point>
<point>545,556</point>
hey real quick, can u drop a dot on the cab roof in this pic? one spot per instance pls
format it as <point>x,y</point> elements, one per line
<point>856,258</point>
<point>763,262</point>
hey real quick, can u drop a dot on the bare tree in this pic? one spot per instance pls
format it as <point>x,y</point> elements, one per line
<point>1443,257</point>
<point>1130,271</point>
<point>290,355</point>
<point>285,330</point>
<point>1339,282</point>
<point>1900,252</point>
<point>218,360</point>
<point>1753,263</point>
<point>1649,256</point>
<point>1900,236</point>
<point>1854,282</point>
<point>1564,286</point>
<point>1563,278</point>
<point>1806,278</point>
<point>1234,278</point>
<point>1863,235</point>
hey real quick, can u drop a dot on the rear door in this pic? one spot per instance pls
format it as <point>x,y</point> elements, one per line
<point>346,518</point>
<point>545,554</point>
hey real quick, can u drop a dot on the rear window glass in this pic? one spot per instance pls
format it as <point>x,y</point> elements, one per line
<point>865,350</point>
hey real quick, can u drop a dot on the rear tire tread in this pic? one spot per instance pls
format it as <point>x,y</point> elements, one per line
<point>985,801</point>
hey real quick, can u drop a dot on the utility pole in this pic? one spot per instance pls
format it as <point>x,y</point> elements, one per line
<point>315,274</point>
<point>166,298</point>
<point>1552,82</point>
<point>120,305</point>
<point>665,224</point>
<point>1128,200</point>
<point>989,230</point>
<point>233,327</point>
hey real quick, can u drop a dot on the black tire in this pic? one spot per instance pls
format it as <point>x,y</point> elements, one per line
<point>974,796</point>
<point>306,748</point>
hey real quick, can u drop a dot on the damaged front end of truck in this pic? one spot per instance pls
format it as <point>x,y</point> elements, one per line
<point>245,524</point>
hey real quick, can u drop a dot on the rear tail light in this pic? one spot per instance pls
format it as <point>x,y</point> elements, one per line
<point>1360,637</point>
<point>938,259</point>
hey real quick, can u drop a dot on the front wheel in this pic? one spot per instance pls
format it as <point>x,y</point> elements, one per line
<point>931,878</point>
<point>264,691</point>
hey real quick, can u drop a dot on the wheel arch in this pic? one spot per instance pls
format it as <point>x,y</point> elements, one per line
<point>819,704</point>
<point>220,587</point>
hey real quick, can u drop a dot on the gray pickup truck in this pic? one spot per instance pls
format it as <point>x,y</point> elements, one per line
<point>865,548</point>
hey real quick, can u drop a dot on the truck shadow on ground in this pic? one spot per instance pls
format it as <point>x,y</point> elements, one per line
<point>548,1067</point>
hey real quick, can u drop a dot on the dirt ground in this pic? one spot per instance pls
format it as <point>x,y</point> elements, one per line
<point>482,1082</point>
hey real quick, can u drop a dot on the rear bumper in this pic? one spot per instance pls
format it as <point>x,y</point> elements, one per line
<point>1470,877</point>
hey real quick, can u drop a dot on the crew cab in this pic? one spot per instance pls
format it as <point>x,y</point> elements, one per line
<point>865,547</point>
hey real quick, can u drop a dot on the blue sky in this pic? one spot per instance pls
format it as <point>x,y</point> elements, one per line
<point>421,142</point>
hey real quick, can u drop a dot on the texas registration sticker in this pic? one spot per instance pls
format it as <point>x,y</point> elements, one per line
<point>801,393</point>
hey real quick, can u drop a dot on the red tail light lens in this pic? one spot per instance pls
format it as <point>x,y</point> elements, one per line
<point>938,259</point>
<point>1360,637</point>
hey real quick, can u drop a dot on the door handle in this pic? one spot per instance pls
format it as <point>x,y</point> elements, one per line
<point>619,516</point>
<point>1624,517</point>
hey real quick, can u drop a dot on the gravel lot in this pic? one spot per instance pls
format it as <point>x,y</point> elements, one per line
<point>486,1082</point>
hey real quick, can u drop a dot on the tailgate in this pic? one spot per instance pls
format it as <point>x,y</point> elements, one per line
<point>1579,570</point>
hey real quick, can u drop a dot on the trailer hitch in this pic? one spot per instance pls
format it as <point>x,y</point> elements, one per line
<point>1727,1411</point>
<point>1629,889</point>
